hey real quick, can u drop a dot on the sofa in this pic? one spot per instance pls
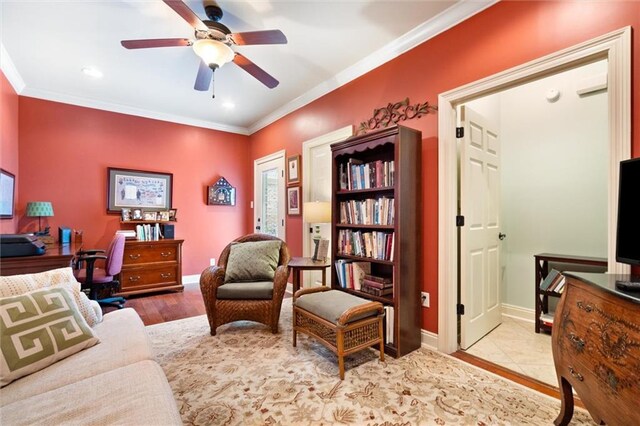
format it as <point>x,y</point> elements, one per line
<point>115,381</point>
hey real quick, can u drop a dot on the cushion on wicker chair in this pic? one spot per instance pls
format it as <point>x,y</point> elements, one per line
<point>252,261</point>
<point>331,304</point>
<point>246,290</point>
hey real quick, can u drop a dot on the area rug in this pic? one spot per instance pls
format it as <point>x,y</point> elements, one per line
<point>245,375</point>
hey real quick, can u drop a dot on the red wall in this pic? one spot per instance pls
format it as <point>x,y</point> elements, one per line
<point>65,151</point>
<point>8,141</point>
<point>503,36</point>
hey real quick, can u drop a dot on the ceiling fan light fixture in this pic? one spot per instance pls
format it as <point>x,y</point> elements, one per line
<point>214,53</point>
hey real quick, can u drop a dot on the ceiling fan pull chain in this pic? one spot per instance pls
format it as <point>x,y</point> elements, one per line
<point>213,85</point>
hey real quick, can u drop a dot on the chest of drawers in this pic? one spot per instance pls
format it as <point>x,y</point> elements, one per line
<point>151,266</point>
<point>596,349</point>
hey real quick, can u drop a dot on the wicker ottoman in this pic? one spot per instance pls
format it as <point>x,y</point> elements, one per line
<point>342,322</point>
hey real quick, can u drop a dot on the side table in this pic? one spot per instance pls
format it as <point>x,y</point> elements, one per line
<point>299,264</point>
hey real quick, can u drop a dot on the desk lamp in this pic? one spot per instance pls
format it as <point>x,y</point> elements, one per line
<point>40,209</point>
<point>316,212</point>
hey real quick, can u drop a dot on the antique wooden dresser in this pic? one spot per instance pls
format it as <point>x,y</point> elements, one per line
<point>596,349</point>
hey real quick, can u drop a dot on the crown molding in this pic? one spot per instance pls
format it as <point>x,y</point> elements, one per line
<point>423,32</point>
<point>124,109</point>
<point>10,71</point>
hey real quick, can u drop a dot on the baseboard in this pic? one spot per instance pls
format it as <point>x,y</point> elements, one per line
<point>429,339</point>
<point>191,279</point>
<point>518,312</point>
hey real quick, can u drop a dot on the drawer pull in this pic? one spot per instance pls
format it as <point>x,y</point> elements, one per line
<point>167,254</point>
<point>135,256</point>
<point>136,278</point>
<point>586,307</point>
<point>165,275</point>
<point>577,342</point>
<point>575,374</point>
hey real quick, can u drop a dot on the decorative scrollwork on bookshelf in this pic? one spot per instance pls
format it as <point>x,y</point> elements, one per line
<point>394,113</point>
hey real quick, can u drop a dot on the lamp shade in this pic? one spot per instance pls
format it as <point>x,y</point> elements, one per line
<point>39,208</point>
<point>317,212</point>
<point>212,52</point>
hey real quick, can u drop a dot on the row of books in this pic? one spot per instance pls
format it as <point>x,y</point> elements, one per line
<point>389,322</point>
<point>554,282</point>
<point>371,211</point>
<point>351,273</point>
<point>355,174</point>
<point>376,244</point>
<point>128,233</point>
<point>148,232</point>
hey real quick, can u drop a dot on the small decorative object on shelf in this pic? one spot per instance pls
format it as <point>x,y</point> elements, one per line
<point>377,208</point>
<point>221,193</point>
<point>139,215</point>
<point>394,113</point>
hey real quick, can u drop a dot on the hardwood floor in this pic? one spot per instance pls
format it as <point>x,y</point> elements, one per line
<point>164,307</point>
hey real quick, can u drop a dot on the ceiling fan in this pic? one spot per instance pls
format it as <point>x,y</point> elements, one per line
<point>213,42</point>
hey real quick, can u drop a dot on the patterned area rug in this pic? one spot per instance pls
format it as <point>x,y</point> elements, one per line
<point>247,376</point>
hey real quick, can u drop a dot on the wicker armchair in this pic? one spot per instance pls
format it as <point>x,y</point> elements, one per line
<point>223,311</point>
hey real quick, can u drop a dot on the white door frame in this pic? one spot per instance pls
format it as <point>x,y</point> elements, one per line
<point>326,139</point>
<point>279,155</point>
<point>616,48</point>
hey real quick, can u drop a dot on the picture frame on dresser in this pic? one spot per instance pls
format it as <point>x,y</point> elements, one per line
<point>7,194</point>
<point>130,188</point>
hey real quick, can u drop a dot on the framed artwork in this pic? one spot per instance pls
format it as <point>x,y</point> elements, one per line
<point>163,215</point>
<point>293,200</point>
<point>293,170</point>
<point>149,215</point>
<point>126,214</point>
<point>136,214</point>
<point>137,189</point>
<point>7,194</point>
<point>221,193</point>
<point>172,214</point>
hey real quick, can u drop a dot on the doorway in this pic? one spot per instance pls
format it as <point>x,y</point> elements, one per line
<point>614,47</point>
<point>269,195</point>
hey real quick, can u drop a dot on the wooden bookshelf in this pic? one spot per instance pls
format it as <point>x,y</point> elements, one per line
<point>401,147</point>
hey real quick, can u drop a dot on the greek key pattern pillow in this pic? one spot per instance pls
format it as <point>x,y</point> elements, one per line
<point>15,285</point>
<point>37,329</point>
<point>252,261</point>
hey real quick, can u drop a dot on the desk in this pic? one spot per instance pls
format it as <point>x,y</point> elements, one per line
<point>56,256</point>
<point>299,264</point>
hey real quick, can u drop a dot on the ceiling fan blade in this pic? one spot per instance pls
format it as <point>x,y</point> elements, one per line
<point>187,14</point>
<point>156,42</point>
<point>255,71</point>
<point>259,37</point>
<point>203,79</point>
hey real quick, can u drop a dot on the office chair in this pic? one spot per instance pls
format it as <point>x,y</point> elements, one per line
<point>95,279</point>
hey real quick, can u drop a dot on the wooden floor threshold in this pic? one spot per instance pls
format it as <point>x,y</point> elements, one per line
<point>514,376</point>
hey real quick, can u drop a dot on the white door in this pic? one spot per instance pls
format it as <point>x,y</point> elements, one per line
<point>269,196</point>
<point>479,237</point>
<point>316,169</point>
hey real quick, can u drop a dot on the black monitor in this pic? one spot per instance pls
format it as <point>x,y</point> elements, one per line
<point>628,235</point>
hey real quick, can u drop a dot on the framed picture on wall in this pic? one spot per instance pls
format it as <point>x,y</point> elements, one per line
<point>293,170</point>
<point>7,194</point>
<point>138,189</point>
<point>293,200</point>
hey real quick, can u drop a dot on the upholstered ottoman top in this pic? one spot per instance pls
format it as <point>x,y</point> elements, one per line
<point>330,305</point>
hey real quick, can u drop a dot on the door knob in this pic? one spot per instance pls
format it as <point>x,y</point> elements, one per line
<point>502,236</point>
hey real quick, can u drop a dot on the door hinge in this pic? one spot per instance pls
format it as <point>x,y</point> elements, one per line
<point>459,220</point>
<point>282,222</point>
<point>281,173</point>
<point>459,132</point>
<point>460,309</point>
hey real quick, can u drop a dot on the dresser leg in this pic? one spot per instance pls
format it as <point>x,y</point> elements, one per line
<point>566,398</point>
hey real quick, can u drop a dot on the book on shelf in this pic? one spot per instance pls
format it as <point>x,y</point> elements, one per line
<point>383,280</point>
<point>551,280</point>
<point>351,273</point>
<point>356,174</point>
<point>547,319</point>
<point>376,244</point>
<point>389,324</point>
<point>377,291</point>
<point>376,284</point>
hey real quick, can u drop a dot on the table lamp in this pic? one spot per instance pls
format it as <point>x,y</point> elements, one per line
<point>316,212</point>
<point>40,209</point>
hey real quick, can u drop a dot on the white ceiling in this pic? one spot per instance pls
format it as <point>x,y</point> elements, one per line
<point>46,43</point>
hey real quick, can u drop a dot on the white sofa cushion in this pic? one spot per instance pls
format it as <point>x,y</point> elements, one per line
<point>137,394</point>
<point>123,339</point>
<point>39,328</point>
<point>14,285</point>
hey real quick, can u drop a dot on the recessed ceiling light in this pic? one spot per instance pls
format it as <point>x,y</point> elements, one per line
<point>228,105</point>
<point>92,72</point>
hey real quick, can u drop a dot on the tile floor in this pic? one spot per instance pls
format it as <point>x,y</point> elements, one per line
<point>515,345</point>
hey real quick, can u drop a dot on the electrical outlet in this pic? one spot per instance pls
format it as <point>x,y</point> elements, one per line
<point>212,261</point>
<point>424,296</point>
